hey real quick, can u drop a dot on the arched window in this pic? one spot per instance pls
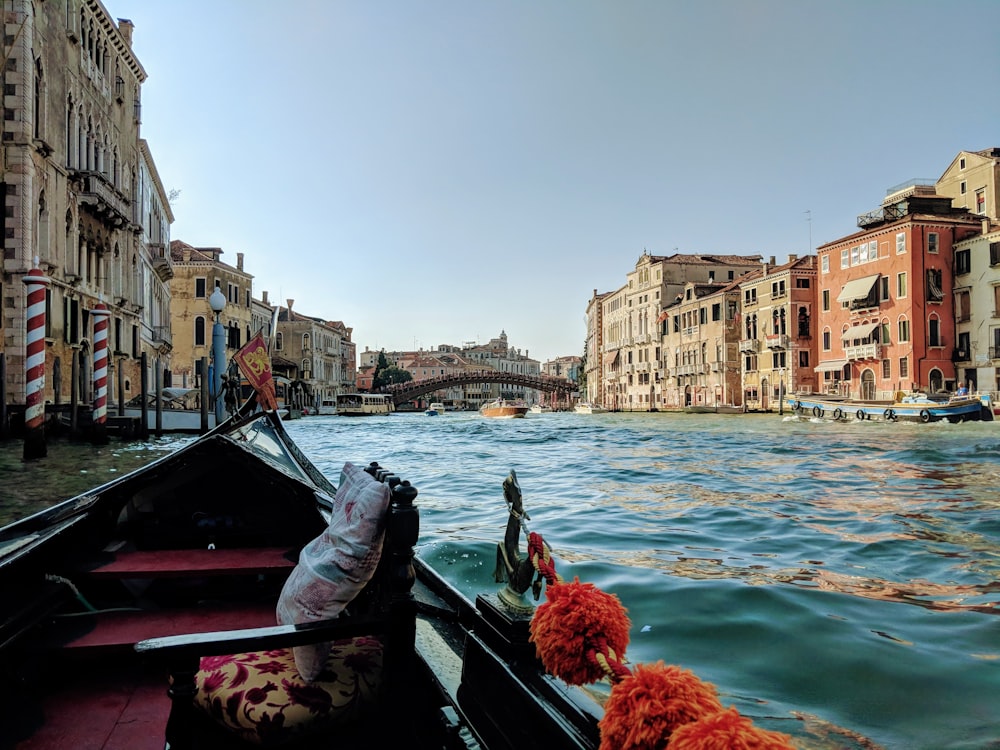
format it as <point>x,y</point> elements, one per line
<point>305,341</point>
<point>199,331</point>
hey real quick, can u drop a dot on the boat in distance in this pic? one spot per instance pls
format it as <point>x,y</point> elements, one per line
<point>435,409</point>
<point>540,409</point>
<point>364,404</point>
<point>500,408</point>
<point>585,407</point>
<point>913,407</point>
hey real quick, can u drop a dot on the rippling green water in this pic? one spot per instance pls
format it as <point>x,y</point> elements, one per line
<point>837,582</point>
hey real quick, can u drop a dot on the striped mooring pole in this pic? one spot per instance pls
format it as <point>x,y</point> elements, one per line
<point>34,367</point>
<point>100,313</point>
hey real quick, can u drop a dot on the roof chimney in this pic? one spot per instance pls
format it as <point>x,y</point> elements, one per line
<point>125,28</point>
<point>264,293</point>
<point>792,257</point>
<point>239,261</point>
<point>290,303</point>
<point>772,260</point>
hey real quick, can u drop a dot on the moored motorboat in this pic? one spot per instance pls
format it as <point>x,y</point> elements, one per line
<point>503,409</point>
<point>586,407</point>
<point>540,409</point>
<point>913,407</point>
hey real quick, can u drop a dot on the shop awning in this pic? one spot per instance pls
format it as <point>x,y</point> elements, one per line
<point>610,357</point>
<point>859,332</point>
<point>857,289</point>
<point>833,365</point>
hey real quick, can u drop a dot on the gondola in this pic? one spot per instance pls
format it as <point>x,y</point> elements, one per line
<point>115,599</point>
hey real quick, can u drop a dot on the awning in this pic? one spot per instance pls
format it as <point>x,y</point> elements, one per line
<point>610,357</point>
<point>859,332</point>
<point>857,289</point>
<point>833,365</point>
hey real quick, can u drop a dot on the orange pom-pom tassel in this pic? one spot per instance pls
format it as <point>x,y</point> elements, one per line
<point>573,618</point>
<point>727,730</point>
<point>645,708</point>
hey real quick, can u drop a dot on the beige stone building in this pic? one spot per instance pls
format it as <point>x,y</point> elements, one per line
<point>324,357</point>
<point>972,181</point>
<point>777,326</point>
<point>81,196</point>
<point>197,272</point>
<point>592,389</point>
<point>632,356</point>
<point>700,366</point>
<point>977,310</point>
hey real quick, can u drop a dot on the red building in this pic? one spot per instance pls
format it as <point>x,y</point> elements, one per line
<point>886,320</point>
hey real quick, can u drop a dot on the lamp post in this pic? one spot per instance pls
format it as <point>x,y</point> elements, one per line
<point>217,301</point>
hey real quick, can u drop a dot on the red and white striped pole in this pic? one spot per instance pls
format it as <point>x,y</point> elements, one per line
<point>100,313</point>
<point>34,366</point>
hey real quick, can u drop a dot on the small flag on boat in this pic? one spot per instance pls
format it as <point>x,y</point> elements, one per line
<point>255,364</point>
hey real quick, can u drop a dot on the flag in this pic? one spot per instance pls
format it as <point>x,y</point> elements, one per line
<point>255,364</point>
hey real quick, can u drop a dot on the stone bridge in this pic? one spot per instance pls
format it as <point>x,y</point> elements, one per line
<point>403,392</point>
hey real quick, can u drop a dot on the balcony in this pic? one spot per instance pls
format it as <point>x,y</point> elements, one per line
<point>776,341</point>
<point>161,334</point>
<point>864,351</point>
<point>750,345</point>
<point>103,199</point>
<point>690,331</point>
<point>160,258</point>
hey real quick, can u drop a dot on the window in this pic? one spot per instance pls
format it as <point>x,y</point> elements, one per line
<point>963,305</point>
<point>935,292</point>
<point>801,283</point>
<point>717,311</point>
<point>199,331</point>
<point>962,187</point>
<point>826,300</point>
<point>199,288</point>
<point>277,341</point>
<point>904,367</point>
<point>702,316</point>
<point>901,285</point>
<point>963,261</point>
<point>996,302</point>
<point>777,360</point>
<point>932,242</point>
<point>845,257</point>
<point>883,284</point>
<point>904,331</point>
<point>962,355</point>
<point>900,243</point>
<point>961,163</point>
<point>981,202</point>
<point>882,334</point>
<point>934,332</point>
<point>778,288</point>
<point>826,340</point>
<point>803,358</point>
<point>994,253</point>
<point>825,264</point>
<point>886,369</point>
<point>750,296</point>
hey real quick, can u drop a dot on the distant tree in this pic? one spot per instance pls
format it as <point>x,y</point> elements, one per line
<point>380,366</point>
<point>393,374</point>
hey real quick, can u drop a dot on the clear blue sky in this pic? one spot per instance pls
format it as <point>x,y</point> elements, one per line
<point>436,172</point>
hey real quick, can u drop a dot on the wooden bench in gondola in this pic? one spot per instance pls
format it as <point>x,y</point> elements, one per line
<point>195,562</point>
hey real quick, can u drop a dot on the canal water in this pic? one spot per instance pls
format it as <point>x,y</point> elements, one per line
<point>839,582</point>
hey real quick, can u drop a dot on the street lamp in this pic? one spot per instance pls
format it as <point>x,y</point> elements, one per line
<point>217,301</point>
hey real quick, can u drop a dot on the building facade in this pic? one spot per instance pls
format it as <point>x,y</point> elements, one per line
<point>971,181</point>
<point>76,187</point>
<point>777,346</point>
<point>197,273</point>
<point>886,318</point>
<point>977,310</point>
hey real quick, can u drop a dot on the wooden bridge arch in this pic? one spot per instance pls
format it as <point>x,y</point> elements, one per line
<point>401,393</point>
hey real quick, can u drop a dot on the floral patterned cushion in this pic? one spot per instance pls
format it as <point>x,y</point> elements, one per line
<point>336,565</point>
<point>262,698</point>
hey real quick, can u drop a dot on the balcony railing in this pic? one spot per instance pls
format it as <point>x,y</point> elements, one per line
<point>161,334</point>
<point>865,351</point>
<point>777,341</point>
<point>750,345</point>
<point>97,192</point>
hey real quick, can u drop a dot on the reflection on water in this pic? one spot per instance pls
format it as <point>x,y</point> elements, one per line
<point>837,582</point>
